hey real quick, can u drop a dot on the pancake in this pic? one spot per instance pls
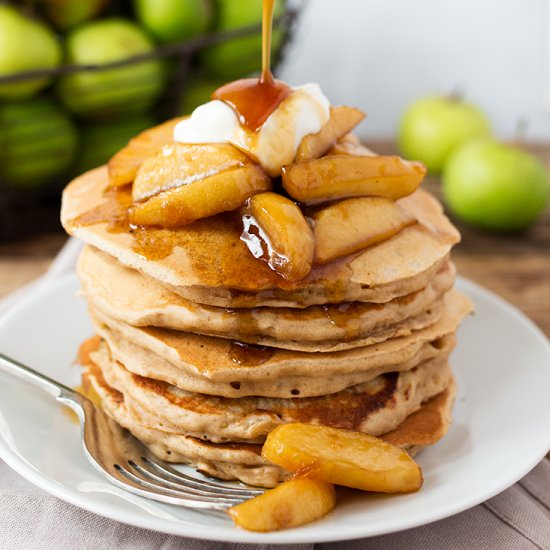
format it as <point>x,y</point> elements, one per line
<point>243,461</point>
<point>126,295</point>
<point>145,363</point>
<point>178,357</point>
<point>374,407</point>
<point>206,262</point>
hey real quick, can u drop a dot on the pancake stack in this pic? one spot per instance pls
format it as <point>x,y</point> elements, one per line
<point>201,349</point>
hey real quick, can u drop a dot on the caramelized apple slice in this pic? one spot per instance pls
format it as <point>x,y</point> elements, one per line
<point>342,120</point>
<point>182,205</point>
<point>350,145</point>
<point>183,163</point>
<point>276,232</point>
<point>343,457</point>
<point>353,224</point>
<point>292,503</point>
<point>124,165</point>
<point>340,176</point>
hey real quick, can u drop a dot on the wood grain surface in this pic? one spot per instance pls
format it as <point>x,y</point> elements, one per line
<point>515,267</point>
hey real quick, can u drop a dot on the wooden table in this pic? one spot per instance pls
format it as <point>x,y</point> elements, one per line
<point>516,267</point>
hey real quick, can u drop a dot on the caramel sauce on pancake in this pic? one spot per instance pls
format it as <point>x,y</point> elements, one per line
<point>248,354</point>
<point>234,267</point>
<point>343,316</point>
<point>113,211</point>
<point>254,99</point>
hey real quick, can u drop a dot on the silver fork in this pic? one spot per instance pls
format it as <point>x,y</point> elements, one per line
<point>124,461</point>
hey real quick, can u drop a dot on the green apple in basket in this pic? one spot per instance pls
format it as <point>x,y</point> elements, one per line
<point>107,92</point>
<point>240,56</point>
<point>65,14</point>
<point>25,45</point>
<point>38,142</point>
<point>174,20</point>
<point>99,141</point>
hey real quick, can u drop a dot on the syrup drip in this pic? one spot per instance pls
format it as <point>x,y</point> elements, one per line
<point>254,99</point>
<point>151,243</point>
<point>249,355</point>
<point>113,211</point>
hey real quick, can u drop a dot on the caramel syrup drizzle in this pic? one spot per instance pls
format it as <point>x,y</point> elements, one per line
<point>254,99</point>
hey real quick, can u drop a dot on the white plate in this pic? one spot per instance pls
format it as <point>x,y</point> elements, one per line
<point>500,430</point>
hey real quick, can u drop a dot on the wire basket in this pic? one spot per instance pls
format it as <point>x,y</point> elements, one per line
<point>26,209</point>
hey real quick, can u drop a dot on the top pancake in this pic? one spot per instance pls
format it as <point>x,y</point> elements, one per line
<point>206,262</point>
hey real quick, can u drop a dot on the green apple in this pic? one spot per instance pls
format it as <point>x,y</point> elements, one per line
<point>103,93</point>
<point>198,90</point>
<point>68,13</point>
<point>495,186</point>
<point>432,128</point>
<point>240,56</point>
<point>99,141</point>
<point>25,45</point>
<point>174,20</point>
<point>38,142</point>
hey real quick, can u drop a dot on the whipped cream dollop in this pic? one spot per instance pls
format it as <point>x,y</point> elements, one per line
<point>305,111</point>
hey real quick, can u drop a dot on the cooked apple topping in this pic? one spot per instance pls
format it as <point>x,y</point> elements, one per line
<point>348,191</point>
<point>124,165</point>
<point>293,503</point>
<point>276,232</point>
<point>350,145</point>
<point>343,457</point>
<point>341,176</point>
<point>182,164</point>
<point>342,120</point>
<point>352,224</point>
<point>220,192</point>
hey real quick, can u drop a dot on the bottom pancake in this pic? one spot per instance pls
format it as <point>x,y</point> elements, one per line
<point>243,461</point>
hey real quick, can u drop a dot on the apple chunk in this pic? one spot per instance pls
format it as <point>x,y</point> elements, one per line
<point>341,176</point>
<point>342,120</point>
<point>292,503</point>
<point>352,224</point>
<point>124,165</point>
<point>182,164</point>
<point>276,232</point>
<point>343,457</point>
<point>350,145</point>
<point>220,192</point>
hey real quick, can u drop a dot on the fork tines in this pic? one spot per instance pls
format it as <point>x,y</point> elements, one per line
<point>147,477</point>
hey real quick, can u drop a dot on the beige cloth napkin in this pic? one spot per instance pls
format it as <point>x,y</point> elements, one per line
<point>30,519</point>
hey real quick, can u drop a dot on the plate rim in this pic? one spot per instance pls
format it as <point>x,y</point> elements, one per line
<point>291,536</point>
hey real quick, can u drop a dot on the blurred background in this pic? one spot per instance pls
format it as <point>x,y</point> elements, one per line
<point>78,79</point>
<point>380,55</point>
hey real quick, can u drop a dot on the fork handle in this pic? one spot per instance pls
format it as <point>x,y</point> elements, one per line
<point>56,389</point>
